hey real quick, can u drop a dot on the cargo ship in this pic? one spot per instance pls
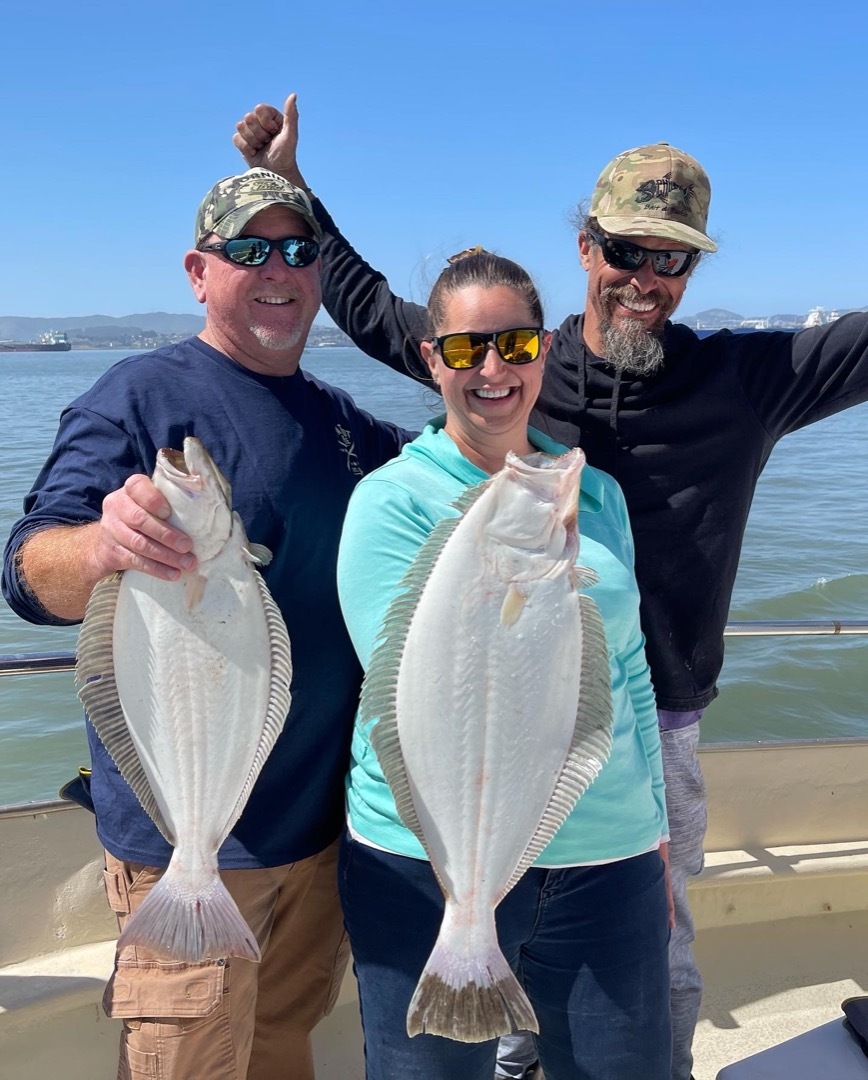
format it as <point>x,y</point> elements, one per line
<point>52,342</point>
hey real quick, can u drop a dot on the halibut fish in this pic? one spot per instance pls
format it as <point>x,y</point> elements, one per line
<point>492,688</point>
<point>187,685</point>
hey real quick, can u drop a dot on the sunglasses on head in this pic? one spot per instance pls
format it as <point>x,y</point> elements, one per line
<point>518,346</point>
<point>624,255</point>
<point>255,250</point>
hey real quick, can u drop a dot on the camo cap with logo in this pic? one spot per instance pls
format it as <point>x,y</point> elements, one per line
<point>233,201</point>
<point>654,191</point>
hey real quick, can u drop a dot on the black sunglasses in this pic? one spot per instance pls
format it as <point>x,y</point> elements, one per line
<point>626,256</point>
<point>461,351</point>
<point>254,250</point>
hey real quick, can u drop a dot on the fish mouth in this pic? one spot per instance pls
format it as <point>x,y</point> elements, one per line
<point>194,470</point>
<point>552,479</point>
<point>175,459</point>
<point>189,468</point>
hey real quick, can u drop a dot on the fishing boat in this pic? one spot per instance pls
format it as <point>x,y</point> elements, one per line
<point>781,911</point>
<point>53,341</point>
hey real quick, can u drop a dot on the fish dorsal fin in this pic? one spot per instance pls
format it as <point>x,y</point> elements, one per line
<point>586,577</point>
<point>469,496</point>
<point>98,693</point>
<point>377,701</point>
<point>278,697</point>
<point>592,736</point>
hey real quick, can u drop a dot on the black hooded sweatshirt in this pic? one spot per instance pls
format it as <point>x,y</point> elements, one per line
<point>687,444</point>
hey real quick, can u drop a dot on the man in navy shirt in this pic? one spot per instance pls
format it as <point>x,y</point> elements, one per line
<point>293,449</point>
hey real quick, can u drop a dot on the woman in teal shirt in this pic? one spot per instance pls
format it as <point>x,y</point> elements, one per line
<point>586,928</point>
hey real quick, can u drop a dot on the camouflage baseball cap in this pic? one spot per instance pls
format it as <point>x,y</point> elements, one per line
<point>233,201</point>
<point>654,191</point>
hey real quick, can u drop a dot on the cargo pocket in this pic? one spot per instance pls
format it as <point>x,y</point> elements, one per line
<point>123,879</point>
<point>151,989</point>
<point>175,1019</point>
<point>139,1066</point>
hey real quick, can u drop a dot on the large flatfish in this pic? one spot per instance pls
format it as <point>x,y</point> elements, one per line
<point>187,685</point>
<point>491,685</point>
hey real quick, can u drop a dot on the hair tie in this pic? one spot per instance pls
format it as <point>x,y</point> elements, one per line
<point>478,250</point>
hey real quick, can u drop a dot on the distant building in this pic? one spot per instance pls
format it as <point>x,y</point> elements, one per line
<point>819,316</point>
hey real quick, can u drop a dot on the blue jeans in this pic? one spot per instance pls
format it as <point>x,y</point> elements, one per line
<point>589,945</point>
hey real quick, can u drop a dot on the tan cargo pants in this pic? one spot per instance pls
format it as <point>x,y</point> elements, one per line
<point>230,1019</point>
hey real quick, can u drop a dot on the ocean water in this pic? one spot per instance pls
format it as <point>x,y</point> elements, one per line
<point>805,556</point>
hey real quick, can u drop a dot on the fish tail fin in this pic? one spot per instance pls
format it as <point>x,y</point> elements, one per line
<point>469,998</point>
<point>190,925</point>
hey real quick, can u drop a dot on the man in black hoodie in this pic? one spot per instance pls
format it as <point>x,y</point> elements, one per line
<point>684,424</point>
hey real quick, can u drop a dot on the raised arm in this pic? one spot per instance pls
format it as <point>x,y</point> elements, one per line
<point>357,297</point>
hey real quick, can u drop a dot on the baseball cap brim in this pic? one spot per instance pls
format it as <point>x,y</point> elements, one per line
<point>662,227</point>
<point>234,223</point>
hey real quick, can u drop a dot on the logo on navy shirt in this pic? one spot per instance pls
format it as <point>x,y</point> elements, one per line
<point>345,442</point>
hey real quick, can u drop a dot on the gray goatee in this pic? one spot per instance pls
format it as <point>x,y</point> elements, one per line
<point>631,346</point>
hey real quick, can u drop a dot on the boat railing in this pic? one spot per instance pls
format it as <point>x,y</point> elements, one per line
<point>49,662</point>
<point>793,627</point>
<point>46,663</point>
<point>36,663</point>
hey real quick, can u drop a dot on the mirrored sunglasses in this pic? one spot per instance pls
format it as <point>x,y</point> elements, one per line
<point>255,250</point>
<point>518,346</point>
<point>624,255</point>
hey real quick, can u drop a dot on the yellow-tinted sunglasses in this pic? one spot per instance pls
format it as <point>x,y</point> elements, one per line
<point>521,345</point>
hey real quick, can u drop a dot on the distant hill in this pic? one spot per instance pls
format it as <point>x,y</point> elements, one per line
<point>19,328</point>
<point>146,330</point>
<point>718,315</point>
<point>719,318</point>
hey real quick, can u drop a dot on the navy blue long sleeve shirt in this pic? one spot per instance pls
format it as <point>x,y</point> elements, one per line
<point>293,449</point>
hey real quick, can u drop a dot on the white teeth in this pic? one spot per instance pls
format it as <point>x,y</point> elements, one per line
<point>493,393</point>
<point>273,300</point>
<point>631,305</point>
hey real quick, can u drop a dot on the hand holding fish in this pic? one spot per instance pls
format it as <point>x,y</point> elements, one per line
<point>268,139</point>
<point>133,533</point>
<point>61,565</point>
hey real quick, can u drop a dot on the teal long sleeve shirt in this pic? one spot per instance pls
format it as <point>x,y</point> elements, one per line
<point>391,513</point>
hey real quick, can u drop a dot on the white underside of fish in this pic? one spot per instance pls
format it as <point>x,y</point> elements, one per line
<point>187,685</point>
<point>492,688</point>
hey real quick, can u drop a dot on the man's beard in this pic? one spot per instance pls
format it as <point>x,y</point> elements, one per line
<point>278,340</point>
<point>630,345</point>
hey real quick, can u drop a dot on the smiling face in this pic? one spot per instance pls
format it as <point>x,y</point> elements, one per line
<point>627,310</point>
<point>487,407</point>
<point>259,316</point>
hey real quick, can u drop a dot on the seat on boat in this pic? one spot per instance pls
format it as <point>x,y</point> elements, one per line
<point>826,1052</point>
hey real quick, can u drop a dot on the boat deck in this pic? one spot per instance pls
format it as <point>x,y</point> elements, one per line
<point>782,925</point>
<point>774,981</point>
<point>769,985</point>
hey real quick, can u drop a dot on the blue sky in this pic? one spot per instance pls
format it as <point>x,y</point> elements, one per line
<point>429,127</point>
